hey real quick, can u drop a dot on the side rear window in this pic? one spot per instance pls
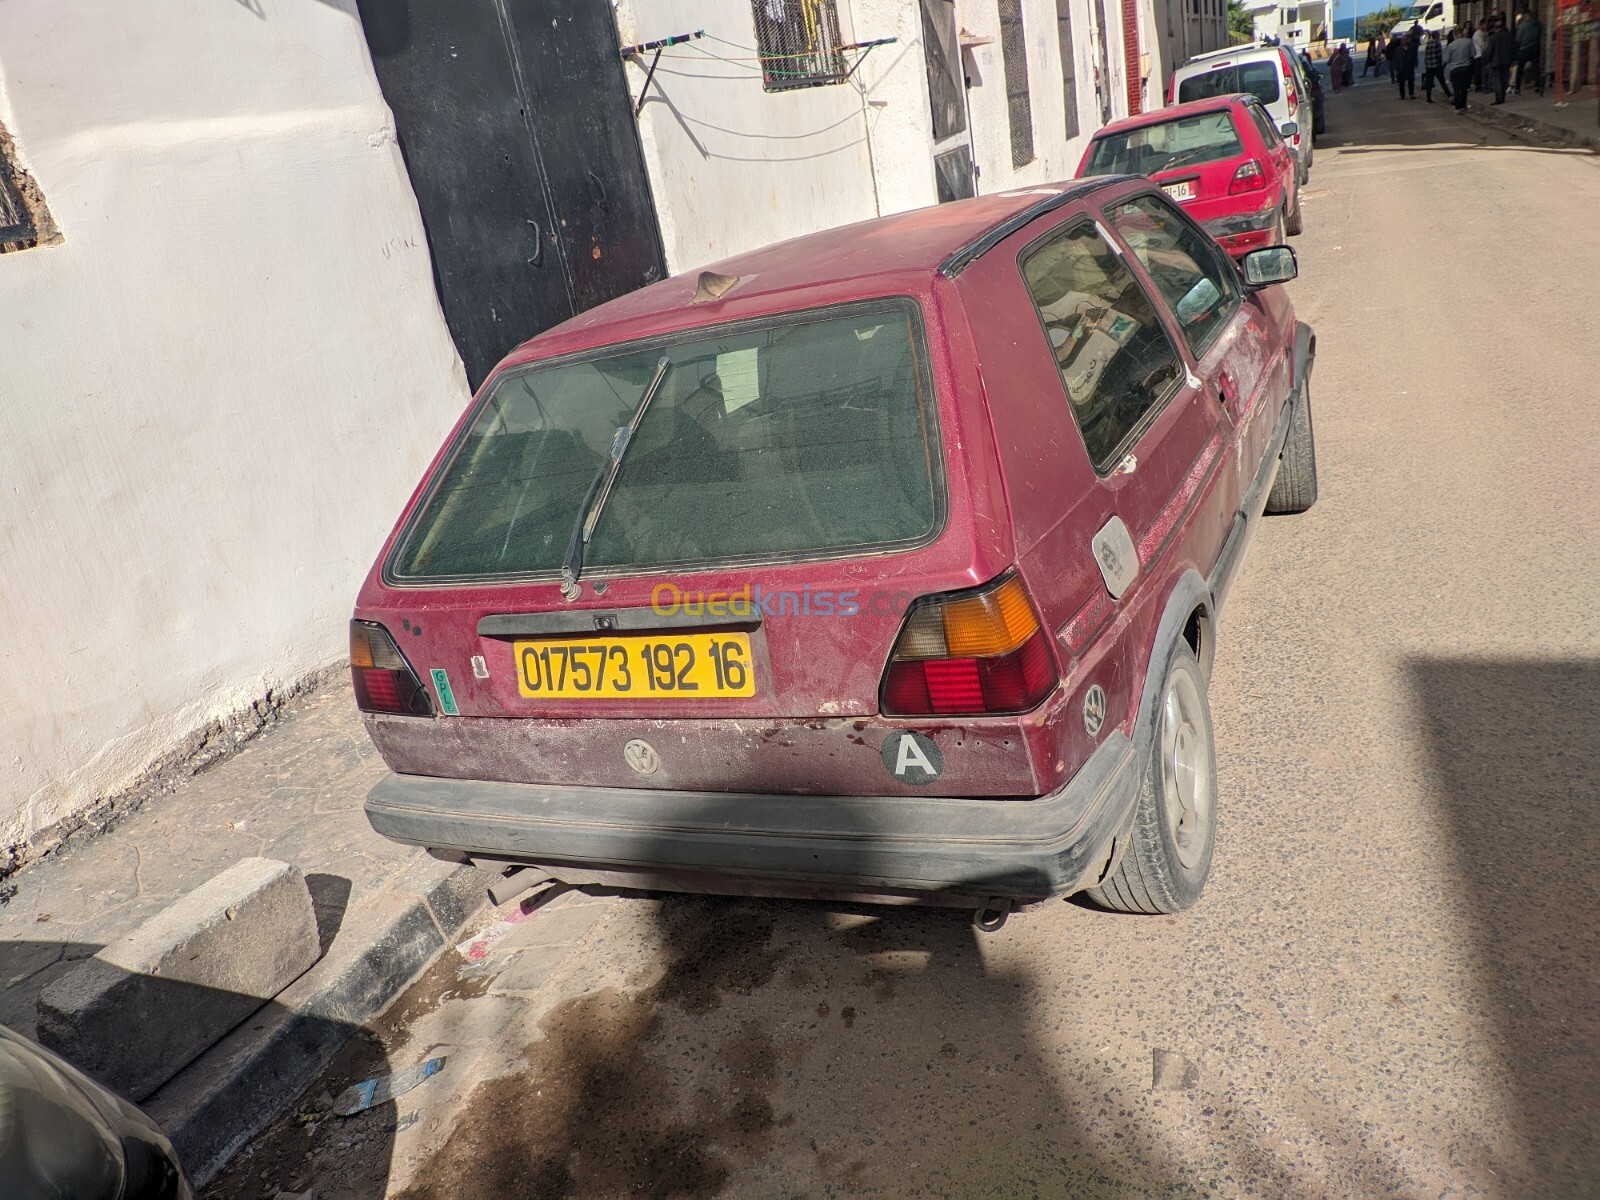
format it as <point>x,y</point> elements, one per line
<point>1115,358</point>
<point>1269,131</point>
<point>1259,79</point>
<point>804,436</point>
<point>1188,268</point>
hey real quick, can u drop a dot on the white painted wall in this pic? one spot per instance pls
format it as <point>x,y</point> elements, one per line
<point>216,394</point>
<point>733,166</point>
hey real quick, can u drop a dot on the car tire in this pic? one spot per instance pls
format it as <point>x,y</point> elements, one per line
<point>1168,854</point>
<point>1295,223</point>
<point>1295,488</point>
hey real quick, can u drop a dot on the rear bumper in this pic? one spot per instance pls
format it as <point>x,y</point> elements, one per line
<point>790,845</point>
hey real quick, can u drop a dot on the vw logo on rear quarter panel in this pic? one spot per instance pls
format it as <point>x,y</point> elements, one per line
<point>642,757</point>
<point>1094,709</point>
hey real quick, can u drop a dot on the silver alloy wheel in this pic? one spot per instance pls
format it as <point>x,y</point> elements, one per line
<point>1188,790</point>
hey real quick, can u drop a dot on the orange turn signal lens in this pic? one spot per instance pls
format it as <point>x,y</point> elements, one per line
<point>995,622</point>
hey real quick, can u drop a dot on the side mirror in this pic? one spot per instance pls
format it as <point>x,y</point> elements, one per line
<point>1288,129</point>
<point>1270,265</point>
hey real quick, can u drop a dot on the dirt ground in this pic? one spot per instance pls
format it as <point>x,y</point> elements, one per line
<point>1392,985</point>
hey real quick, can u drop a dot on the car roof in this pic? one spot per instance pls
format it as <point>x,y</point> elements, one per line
<point>1173,112</point>
<point>1210,57</point>
<point>896,254</point>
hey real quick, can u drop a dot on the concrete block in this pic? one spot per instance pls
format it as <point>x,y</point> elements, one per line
<point>143,1008</point>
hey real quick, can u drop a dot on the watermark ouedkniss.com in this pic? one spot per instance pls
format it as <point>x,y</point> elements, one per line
<point>752,598</point>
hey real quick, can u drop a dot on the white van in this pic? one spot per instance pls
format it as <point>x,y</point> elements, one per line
<point>1435,16</point>
<point>1273,74</point>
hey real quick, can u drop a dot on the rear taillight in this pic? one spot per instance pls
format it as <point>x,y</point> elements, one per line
<point>1248,178</point>
<point>975,652</point>
<point>383,679</point>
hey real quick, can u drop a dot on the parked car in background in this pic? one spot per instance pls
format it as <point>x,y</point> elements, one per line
<point>1313,78</point>
<point>1222,159</point>
<point>65,1137</point>
<point>1272,74</point>
<point>884,562</point>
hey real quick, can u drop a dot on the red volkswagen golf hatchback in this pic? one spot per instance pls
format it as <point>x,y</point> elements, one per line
<point>1222,159</point>
<point>885,562</point>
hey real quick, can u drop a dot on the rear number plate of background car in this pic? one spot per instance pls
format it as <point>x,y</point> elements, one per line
<point>1179,191</point>
<point>625,668</point>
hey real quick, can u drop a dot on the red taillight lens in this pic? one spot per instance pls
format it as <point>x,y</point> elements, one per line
<point>384,680</point>
<point>980,652</point>
<point>1248,178</point>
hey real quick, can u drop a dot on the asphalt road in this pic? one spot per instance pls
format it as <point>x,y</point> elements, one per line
<point>1392,984</point>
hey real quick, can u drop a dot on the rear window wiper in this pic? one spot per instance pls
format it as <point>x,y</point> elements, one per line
<point>588,517</point>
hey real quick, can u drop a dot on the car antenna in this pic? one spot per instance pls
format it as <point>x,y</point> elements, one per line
<point>588,517</point>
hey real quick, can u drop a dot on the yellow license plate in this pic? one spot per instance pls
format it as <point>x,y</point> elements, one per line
<point>647,665</point>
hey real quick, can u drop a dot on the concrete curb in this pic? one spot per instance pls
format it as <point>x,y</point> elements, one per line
<point>1516,122</point>
<point>234,1090</point>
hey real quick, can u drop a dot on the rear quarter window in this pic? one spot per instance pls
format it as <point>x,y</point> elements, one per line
<point>1259,79</point>
<point>806,435</point>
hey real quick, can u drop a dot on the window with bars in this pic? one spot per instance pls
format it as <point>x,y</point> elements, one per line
<point>1019,108</point>
<point>799,43</point>
<point>1069,78</point>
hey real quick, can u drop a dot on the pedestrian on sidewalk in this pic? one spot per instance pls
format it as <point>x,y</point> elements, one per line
<point>1530,37</point>
<point>1339,66</point>
<point>1502,53</point>
<point>1433,67</point>
<point>1458,62</point>
<point>1374,59</point>
<point>1403,66</point>
<point>1480,57</point>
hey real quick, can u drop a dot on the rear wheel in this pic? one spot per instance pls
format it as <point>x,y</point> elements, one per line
<point>1295,223</point>
<point>1168,854</point>
<point>1295,488</point>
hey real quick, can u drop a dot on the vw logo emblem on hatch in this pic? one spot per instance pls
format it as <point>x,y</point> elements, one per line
<point>642,757</point>
<point>1094,709</point>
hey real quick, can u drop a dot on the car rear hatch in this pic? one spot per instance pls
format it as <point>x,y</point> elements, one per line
<point>1193,157</point>
<point>791,493</point>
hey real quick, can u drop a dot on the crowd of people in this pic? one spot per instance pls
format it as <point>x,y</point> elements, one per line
<point>1495,56</point>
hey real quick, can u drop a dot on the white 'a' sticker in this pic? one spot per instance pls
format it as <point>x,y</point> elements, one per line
<point>912,757</point>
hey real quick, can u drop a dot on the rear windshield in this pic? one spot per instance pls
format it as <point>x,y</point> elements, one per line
<point>806,436</point>
<point>1260,79</point>
<point>1152,148</point>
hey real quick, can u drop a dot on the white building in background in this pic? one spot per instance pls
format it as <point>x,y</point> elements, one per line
<point>233,307</point>
<point>1298,24</point>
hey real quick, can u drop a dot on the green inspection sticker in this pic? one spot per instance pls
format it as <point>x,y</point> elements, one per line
<point>447,698</point>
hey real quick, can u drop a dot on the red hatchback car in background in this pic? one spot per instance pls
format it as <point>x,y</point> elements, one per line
<point>1222,159</point>
<point>883,562</point>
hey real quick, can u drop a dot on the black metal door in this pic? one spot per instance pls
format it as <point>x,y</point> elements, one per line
<point>515,123</point>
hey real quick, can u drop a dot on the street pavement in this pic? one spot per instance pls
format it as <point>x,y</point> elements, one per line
<point>1391,986</point>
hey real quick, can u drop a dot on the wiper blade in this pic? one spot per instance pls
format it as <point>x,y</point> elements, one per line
<point>588,517</point>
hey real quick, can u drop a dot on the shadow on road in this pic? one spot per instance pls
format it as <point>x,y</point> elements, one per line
<point>1516,751</point>
<point>787,1048</point>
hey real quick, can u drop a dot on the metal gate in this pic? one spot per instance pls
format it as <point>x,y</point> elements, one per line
<point>514,120</point>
